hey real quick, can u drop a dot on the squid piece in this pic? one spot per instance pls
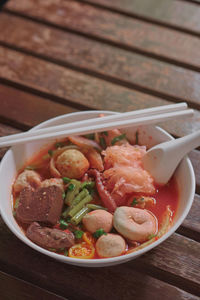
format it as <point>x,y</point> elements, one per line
<point>105,196</point>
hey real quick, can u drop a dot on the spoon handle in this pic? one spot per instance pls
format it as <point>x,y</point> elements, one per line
<point>162,160</point>
<point>180,147</point>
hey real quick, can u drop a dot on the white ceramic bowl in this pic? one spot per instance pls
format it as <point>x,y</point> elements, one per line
<point>148,135</point>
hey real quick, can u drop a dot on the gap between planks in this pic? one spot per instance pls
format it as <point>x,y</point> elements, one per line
<point>131,101</point>
<point>118,44</point>
<point>158,66</point>
<point>23,289</point>
<point>91,73</point>
<point>160,270</point>
<point>189,1</point>
<point>142,17</point>
<point>127,13</point>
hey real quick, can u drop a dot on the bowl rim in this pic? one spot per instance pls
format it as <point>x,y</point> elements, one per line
<point>102,261</point>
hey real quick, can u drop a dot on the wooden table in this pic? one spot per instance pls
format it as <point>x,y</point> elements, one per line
<point>59,56</point>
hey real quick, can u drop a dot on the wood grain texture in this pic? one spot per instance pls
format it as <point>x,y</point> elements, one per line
<point>71,86</point>
<point>195,159</point>
<point>26,110</point>
<point>137,35</point>
<point>123,67</point>
<point>6,130</point>
<point>59,56</point>
<point>181,15</point>
<point>23,290</point>
<point>190,226</point>
<point>94,283</point>
<point>173,256</point>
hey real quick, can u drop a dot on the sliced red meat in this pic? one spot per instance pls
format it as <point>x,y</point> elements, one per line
<point>42,205</point>
<point>49,237</point>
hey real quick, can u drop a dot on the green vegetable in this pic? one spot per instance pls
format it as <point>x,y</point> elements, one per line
<point>94,206</point>
<point>84,193</point>
<point>52,249</point>
<point>78,234</point>
<point>31,167</point>
<point>59,145</point>
<point>78,217</point>
<point>71,187</point>
<point>50,152</point>
<point>63,224</point>
<point>61,249</point>
<point>68,219</point>
<point>90,136</point>
<point>66,252</point>
<point>79,197</point>
<point>79,206</point>
<point>88,185</point>
<point>63,195</point>
<point>151,236</point>
<point>66,180</point>
<point>102,142</point>
<point>98,233</point>
<point>134,202</point>
<point>66,212</point>
<point>16,203</point>
<point>46,156</point>
<point>118,138</point>
<point>136,137</point>
<point>73,191</point>
<point>105,133</point>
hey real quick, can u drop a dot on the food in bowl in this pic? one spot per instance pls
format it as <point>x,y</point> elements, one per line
<point>89,197</point>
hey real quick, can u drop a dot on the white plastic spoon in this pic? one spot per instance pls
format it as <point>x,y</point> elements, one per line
<point>162,159</point>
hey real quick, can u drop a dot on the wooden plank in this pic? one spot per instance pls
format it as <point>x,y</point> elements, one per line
<point>123,67</point>
<point>2,3</point>
<point>126,32</point>
<point>86,283</point>
<point>195,159</point>
<point>179,256</point>
<point>190,227</point>
<point>174,13</point>
<point>68,85</point>
<point>6,130</point>
<point>35,109</point>
<point>22,289</point>
<point>192,220</point>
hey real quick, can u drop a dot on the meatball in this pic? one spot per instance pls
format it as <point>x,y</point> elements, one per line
<point>97,219</point>
<point>110,245</point>
<point>53,181</point>
<point>72,163</point>
<point>27,178</point>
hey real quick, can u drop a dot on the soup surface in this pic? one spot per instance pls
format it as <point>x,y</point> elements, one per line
<point>90,197</point>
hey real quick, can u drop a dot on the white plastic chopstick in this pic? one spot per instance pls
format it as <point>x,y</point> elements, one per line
<point>139,117</point>
<point>123,116</point>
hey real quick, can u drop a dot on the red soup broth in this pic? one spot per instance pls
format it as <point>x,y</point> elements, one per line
<point>167,195</point>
